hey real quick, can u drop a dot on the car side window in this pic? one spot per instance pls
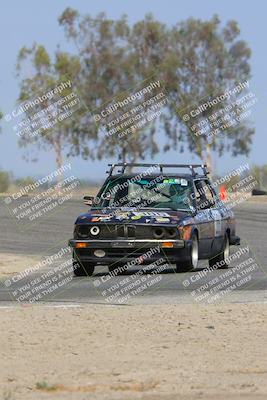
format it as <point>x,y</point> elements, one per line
<point>204,195</point>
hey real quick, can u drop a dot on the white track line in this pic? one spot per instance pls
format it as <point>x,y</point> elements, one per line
<point>42,305</point>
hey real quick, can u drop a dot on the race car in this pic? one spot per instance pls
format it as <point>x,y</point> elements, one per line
<point>139,218</point>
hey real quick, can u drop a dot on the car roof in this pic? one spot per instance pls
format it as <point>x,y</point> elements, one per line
<point>172,175</point>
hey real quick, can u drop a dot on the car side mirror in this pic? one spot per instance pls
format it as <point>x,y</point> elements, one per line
<point>88,200</point>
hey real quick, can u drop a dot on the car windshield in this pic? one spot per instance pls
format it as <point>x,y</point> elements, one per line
<point>153,192</point>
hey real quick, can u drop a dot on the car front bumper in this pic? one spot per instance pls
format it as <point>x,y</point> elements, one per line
<point>127,243</point>
<point>121,251</point>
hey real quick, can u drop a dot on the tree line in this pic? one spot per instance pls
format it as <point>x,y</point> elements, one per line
<point>195,59</point>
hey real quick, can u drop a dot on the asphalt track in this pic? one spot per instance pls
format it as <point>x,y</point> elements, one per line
<point>244,281</point>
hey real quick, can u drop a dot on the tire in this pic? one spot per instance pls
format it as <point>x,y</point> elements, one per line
<point>85,269</point>
<point>192,263</point>
<point>223,256</point>
<point>113,268</point>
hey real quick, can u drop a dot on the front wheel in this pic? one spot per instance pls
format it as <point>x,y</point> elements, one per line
<point>116,269</point>
<point>221,260</point>
<point>192,263</point>
<point>84,269</point>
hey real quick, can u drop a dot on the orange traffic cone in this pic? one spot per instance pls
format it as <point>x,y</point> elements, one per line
<point>223,193</point>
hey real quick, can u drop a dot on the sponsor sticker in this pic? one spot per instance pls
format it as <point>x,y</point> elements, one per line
<point>95,219</point>
<point>122,216</point>
<point>101,218</point>
<point>135,217</point>
<point>184,182</point>
<point>162,219</point>
<point>152,214</point>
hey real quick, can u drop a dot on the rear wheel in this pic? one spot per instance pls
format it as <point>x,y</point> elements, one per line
<point>192,263</point>
<point>222,258</point>
<point>84,269</point>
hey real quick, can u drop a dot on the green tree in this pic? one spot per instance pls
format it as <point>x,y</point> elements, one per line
<point>194,59</point>
<point>4,181</point>
<point>39,75</point>
<point>108,73</point>
<point>260,173</point>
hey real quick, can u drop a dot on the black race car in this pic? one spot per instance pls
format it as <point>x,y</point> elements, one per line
<point>139,218</point>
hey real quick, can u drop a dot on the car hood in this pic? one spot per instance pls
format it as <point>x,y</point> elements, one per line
<point>148,216</point>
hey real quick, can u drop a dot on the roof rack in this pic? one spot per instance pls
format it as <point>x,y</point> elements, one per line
<point>123,166</point>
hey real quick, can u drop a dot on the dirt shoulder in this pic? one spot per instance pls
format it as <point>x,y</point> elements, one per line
<point>11,264</point>
<point>134,352</point>
<point>257,199</point>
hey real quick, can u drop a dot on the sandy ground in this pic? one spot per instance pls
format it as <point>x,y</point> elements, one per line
<point>134,352</point>
<point>11,264</point>
<point>258,199</point>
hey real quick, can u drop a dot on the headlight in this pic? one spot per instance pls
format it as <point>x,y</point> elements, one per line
<point>82,231</point>
<point>158,233</point>
<point>172,233</point>
<point>95,230</point>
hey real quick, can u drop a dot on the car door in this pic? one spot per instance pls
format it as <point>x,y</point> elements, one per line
<point>208,217</point>
<point>219,216</point>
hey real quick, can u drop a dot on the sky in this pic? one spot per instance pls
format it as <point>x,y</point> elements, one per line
<point>28,21</point>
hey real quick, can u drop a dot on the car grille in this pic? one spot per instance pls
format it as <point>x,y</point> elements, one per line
<point>124,231</point>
